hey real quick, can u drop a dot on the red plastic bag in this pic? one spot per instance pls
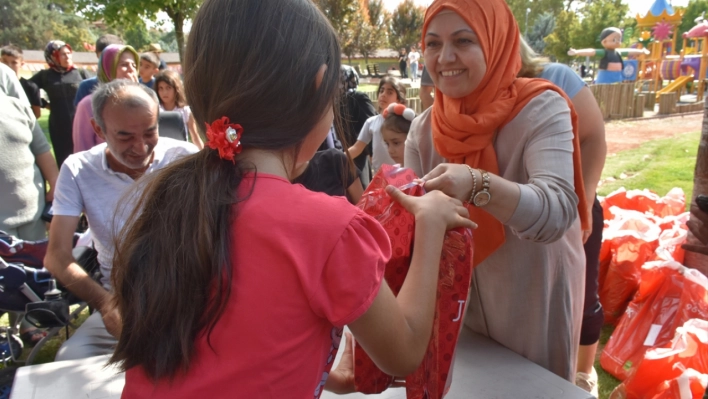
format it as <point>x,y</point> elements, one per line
<point>668,296</point>
<point>645,201</point>
<point>689,385</point>
<point>629,241</point>
<point>659,366</point>
<point>434,375</point>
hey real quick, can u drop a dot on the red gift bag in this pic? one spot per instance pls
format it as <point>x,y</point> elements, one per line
<point>668,296</point>
<point>659,366</point>
<point>629,240</point>
<point>432,378</point>
<point>689,385</point>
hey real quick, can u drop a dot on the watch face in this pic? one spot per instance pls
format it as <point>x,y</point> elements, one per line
<point>482,198</point>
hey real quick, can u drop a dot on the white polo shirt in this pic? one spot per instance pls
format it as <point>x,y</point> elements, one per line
<point>86,184</point>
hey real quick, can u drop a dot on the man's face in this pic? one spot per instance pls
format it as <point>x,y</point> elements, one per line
<point>15,63</point>
<point>131,132</point>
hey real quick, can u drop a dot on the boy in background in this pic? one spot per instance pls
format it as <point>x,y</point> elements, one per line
<point>149,67</point>
<point>11,56</point>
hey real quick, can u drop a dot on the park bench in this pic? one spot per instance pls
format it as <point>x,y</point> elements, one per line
<point>358,70</point>
<point>373,71</point>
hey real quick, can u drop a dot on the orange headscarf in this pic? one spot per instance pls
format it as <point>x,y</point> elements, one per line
<point>464,128</point>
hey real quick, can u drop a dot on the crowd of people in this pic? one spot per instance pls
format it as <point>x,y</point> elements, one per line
<point>232,258</point>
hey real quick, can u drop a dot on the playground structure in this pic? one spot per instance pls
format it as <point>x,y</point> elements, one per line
<point>686,71</point>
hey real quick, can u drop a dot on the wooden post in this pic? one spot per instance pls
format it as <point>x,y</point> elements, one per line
<point>700,186</point>
<point>639,105</point>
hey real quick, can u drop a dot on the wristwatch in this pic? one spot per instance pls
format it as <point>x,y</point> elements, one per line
<point>483,196</point>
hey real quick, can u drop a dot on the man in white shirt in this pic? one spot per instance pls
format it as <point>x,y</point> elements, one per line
<point>413,57</point>
<point>95,182</point>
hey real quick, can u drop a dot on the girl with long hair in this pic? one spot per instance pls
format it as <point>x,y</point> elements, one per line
<point>170,91</point>
<point>231,280</point>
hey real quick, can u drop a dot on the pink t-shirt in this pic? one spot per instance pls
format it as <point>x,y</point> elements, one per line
<point>305,264</point>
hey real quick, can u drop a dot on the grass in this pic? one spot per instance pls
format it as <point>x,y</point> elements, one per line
<point>659,165</point>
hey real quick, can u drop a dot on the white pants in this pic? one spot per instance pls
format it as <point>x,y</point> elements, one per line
<point>91,339</point>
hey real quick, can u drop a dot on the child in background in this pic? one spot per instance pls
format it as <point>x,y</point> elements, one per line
<point>170,91</point>
<point>149,63</point>
<point>233,282</point>
<point>390,91</point>
<point>12,56</point>
<point>397,123</point>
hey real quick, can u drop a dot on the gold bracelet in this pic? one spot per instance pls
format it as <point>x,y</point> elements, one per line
<point>474,184</point>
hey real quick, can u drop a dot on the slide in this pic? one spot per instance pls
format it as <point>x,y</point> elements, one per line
<point>676,85</point>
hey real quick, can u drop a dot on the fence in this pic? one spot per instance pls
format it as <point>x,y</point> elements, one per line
<point>617,101</point>
<point>412,99</point>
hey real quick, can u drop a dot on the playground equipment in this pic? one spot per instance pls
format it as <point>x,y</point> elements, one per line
<point>659,33</point>
<point>611,64</point>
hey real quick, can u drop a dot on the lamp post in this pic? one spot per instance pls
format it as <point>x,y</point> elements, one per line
<point>526,24</point>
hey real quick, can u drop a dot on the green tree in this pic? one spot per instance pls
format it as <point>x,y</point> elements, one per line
<point>596,16</point>
<point>559,42</point>
<point>537,8</point>
<point>31,24</point>
<point>371,35</point>
<point>405,28</point>
<point>345,17</point>
<point>543,27</point>
<point>126,12</point>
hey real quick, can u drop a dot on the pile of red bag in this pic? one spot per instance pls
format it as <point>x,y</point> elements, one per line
<point>433,377</point>
<point>640,227</point>
<point>660,345</point>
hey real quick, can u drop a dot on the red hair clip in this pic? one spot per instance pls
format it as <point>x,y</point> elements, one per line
<point>224,137</point>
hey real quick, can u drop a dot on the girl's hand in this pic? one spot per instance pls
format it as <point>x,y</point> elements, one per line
<point>453,180</point>
<point>341,379</point>
<point>434,209</point>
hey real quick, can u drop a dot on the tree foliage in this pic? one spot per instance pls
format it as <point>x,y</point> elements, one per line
<point>598,15</point>
<point>558,42</point>
<point>344,15</point>
<point>31,24</point>
<point>406,26</point>
<point>127,12</point>
<point>543,27</point>
<point>537,8</point>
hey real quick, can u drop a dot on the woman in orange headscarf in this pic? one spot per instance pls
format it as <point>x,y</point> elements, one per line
<point>506,145</point>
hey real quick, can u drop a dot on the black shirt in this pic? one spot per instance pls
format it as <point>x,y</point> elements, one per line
<point>328,172</point>
<point>356,108</point>
<point>610,57</point>
<point>32,92</point>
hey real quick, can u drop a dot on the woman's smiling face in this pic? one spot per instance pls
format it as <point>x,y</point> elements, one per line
<point>453,55</point>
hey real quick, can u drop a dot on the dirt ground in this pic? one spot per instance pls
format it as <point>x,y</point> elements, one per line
<point>624,135</point>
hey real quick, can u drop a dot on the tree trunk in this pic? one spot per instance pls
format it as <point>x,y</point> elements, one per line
<point>700,186</point>
<point>178,20</point>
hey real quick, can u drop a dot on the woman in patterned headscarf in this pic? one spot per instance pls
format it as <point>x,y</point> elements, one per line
<point>60,81</point>
<point>117,61</point>
<point>507,146</point>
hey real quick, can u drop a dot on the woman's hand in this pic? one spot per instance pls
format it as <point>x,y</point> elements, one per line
<point>341,379</point>
<point>434,209</point>
<point>453,180</point>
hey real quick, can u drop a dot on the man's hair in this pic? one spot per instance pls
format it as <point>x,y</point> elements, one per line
<point>151,58</point>
<point>106,40</point>
<point>113,92</point>
<point>11,50</point>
